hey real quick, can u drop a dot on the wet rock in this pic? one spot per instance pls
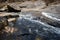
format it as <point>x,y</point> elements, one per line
<point>52,16</point>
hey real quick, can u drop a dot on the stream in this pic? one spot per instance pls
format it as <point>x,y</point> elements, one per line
<point>29,27</point>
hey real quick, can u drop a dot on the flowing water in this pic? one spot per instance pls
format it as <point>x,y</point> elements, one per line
<point>29,27</point>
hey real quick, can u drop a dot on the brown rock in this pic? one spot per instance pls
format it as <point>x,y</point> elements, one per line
<point>13,8</point>
<point>5,18</point>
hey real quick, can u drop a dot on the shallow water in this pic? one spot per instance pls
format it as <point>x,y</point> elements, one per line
<point>29,28</point>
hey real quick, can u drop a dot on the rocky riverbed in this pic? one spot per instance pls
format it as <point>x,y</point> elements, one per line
<point>32,23</point>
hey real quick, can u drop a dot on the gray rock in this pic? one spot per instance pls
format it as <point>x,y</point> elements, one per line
<point>52,15</point>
